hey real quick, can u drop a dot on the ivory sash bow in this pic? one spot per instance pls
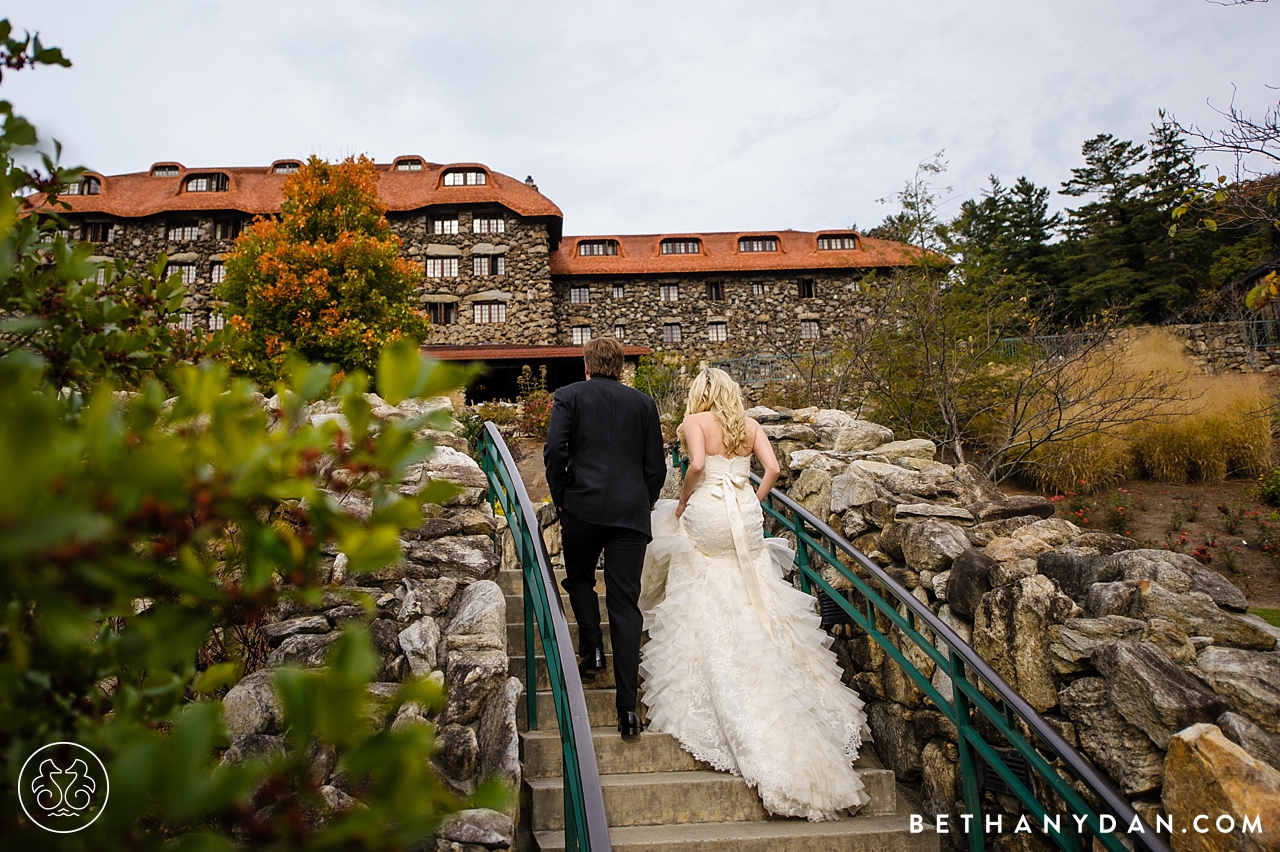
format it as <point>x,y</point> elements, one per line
<point>727,486</point>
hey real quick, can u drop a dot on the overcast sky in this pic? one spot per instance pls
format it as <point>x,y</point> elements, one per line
<point>644,117</point>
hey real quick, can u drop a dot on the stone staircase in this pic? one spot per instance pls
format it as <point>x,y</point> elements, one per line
<point>657,797</point>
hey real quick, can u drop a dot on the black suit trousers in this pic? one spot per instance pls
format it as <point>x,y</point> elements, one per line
<point>623,550</point>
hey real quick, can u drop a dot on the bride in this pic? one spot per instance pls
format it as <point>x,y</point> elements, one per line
<point>736,667</point>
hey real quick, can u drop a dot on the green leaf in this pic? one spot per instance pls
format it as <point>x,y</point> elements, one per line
<point>1211,224</point>
<point>216,676</point>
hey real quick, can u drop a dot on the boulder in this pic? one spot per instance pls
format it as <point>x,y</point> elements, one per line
<point>812,489</point>
<point>1205,773</point>
<point>1073,642</point>
<point>890,540</point>
<point>1197,615</point>
<point>1011,632</point>
<point>1104,542</point>
<point>1219,588</point>
<point>1052,531</point>
<point>1004,573</point>
<point>917,448</point>
<point>897,742</point>
<point>984,533</point>
<point>850,489</point>
<point>281,630</point>
<point>980,488</point>
<point>1012,507</point>
<point>1110,598</point>
<point>880,511</point>
<point>918,511</point>
<point>1119,748</point>
<point>1076,572</point>
<point>420,642</point>
<point>385,635</point>
<point>932,545</point>
<point>252,706</point>
<point>462,557</point>
<point>790,432</point>
<point>1018,547</point>
<point>473,676</point>
<point>1249,678</point>
<point>861,435</point>
<point>1171,639</point>
<point>481,619</point>
<point>940,778</point>
<point>477,521</point>
<point>1150,691</point>
<point>457,752</point>
<point>968,582</point>
<point>433,528</point>
<point>764,414</point>
<point>1159,566</point>
<point>448,465</point>
<point>426,597</point>
<point>853,523</point>
<point>499,737</point>
<point>264,747</point>
<point>479,827</point>
<point>309,650</point>
<point>1261,744</point>
<point>820,459</point>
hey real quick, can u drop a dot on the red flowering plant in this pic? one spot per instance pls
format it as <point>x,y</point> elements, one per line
<point>325,279</point>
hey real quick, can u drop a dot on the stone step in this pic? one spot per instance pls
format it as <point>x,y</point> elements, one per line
<point>515,608</point>
<point>515,638</point>
<point>603,680</point>
<point>540,751</point>
<point>602,709</point>
<point>859,834</point>
<point>667,798</point>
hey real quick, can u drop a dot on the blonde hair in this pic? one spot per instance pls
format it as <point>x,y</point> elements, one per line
<point>715,391</point>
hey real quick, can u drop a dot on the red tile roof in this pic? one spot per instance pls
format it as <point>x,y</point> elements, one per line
<point>256,190</point>
<point>642,253</point>
<point>513,351</point>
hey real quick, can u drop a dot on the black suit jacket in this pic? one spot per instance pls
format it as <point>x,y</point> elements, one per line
<point>604,456</point>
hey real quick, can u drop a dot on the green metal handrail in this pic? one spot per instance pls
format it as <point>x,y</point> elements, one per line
<point>585,824</point>
<point>971,677</point>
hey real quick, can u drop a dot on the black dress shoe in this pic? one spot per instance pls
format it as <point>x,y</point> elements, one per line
<point>592,663</point>
<point>629,723</point>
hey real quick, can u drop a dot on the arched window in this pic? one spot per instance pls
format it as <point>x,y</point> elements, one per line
<point>465,177</point>
<point>683,246</point>
<point>597,248</point>
<point>216,182</point>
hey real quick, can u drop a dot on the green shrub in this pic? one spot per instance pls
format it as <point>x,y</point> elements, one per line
<point>1269,488</point>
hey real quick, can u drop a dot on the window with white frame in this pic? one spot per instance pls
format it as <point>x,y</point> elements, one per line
<point>762,329</point>
<point>669,292</point>
<point>286,168</point>
<point>409,165</point>
<point>838,242</point>
<point>207,183</point>
<point>442,313</point>
<point>216,321</point>
<point>489,264</point>
<point>488,225</point>
<point>442,267</point>
<point>597,248</point>
<point>165,171</point>
<point>445,225</point>
<point>488,313</point>
<point>183,230</point>
<point>681,247</point>
<point>809,330</point>
<point>620,331</point>
<point>619,291</point>
<point>753,244</point>
<point>218,272</point>
<point>581,334</point>
<point>89,186</point>
<point>186,270</point>
<point>671,332</point>
<point>717,332</point>
<point>100,277</point>
<point>186,321</point>
<point>757,288</point>
<point>465,177</point>
<point>579,295</point>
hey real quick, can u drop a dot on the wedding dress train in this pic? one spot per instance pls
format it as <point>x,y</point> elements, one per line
<point>737,667</point>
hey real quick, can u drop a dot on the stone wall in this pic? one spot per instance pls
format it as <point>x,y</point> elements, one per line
<point>438,613</point>
<point>1122,650</point>
<point>1228,347</point>
<point>837,299</point>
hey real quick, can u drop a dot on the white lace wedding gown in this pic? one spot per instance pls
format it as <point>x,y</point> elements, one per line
<point>737,667</point>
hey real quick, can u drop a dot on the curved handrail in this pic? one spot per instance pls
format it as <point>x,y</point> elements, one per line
<point>961,663</point>
<point>586,826</point>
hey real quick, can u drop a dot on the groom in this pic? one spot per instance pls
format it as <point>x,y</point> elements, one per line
<point>605,468</point>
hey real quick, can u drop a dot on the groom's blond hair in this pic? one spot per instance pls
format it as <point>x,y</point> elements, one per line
<point>715,390</point>
<point>603,357</point>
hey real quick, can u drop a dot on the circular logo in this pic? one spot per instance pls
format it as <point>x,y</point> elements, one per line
<point>63,787</point>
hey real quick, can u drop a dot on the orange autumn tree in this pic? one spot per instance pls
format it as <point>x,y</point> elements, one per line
<point>325,279</point>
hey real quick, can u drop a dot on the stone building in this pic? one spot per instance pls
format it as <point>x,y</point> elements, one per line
<point>499,281</point>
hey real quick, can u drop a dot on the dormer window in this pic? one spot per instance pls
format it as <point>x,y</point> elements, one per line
<point>207,183</point>
<point>465,177</point>
<point>597,248</point>
<point>165,170</point>
<point>286,167</point>
<point>681,247</point>
<point>409,164</point>
<point>88,186</point>
<point>837,242</point>
<point>753,244</point>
